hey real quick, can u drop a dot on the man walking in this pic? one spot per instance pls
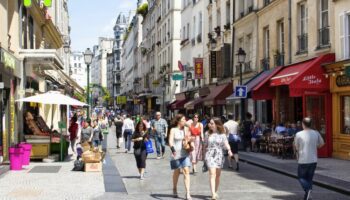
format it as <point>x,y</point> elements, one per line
<point>118,129</point>
<point>128,129</point>
<point>231,127</point>
<point>159,128</point>
<point>306,143</point>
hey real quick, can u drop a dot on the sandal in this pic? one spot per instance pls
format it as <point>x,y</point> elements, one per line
<point>175,195</point>
<point>188,197</point>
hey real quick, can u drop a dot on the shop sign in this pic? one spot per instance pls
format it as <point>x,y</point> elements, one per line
<point>213,64</point>
<point>312,80</point>
<point>8,60</point>
<point>342,81</point>
<point>198,68</point>
<point>347,71</point>
<point>12,112</point>
<point>158,101</point>
<point>46,3</point>
<point>121,100</point>
<point>1,85</point>
<point>177,77</point>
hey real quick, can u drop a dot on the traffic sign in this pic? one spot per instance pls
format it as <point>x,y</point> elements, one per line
<point>1,85</point>
<point>241,91</point>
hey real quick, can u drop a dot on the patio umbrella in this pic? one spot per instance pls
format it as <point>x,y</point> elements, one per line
<point>54,98</point>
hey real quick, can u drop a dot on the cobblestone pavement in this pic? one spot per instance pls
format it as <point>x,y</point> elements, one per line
<point>250,183</point>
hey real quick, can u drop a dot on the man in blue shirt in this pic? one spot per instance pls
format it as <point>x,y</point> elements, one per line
<point>159,128</point>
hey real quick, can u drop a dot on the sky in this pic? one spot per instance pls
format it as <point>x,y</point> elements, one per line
<point>90,19</point>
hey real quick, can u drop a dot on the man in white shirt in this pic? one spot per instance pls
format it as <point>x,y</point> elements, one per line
<point>127,130</point>
<point>231,128</point>
<point>306,143</point>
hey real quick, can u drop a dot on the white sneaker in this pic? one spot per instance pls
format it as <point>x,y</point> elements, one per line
<point>142,177</point>
<point>308,197</point>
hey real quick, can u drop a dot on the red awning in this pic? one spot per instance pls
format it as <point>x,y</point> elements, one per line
<point>218,95</point>
<point>263,91</point>
<point>300,77</point>
<point>192,104</point>
<point>178,104</point>
<point>304,76</point>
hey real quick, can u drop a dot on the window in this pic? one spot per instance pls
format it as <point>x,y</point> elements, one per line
<point>303,37</point>
<point>228,13</point>
<point>218,18</point>
<point>188,30</point>
<point>210,24</point>
<point>280,36</point>
<point>194,27</point>
<point>184,33</point>
<point>249,48</point>
<point>324,26</point>
<point>266,42</point>
<point>344,35</point>
<point>200,24</point>
<point>345,115</point>
<point>250,6</point>
<point>267,2</point>
<point>75,64</point>
<point>241,8</point>
<point>79,65</point>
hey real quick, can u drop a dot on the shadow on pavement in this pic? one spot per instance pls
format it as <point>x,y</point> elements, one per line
<point>162,196</point>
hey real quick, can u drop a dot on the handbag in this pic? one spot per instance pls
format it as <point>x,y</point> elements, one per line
<point>137,152</point>
<point>149,148</point>
<point>174,164</point>
<point>234,138</point>
<point>204,167</point>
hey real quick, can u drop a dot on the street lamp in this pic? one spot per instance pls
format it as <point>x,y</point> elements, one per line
<point>241,59</point>
<point>88,60</point>
<point>114,72</point>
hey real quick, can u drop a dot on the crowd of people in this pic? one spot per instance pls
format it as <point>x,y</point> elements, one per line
<point>192,140</point>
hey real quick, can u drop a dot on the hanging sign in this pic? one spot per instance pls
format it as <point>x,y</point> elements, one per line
<point>213,64</point>
<point>347,71</point>
<point>177,77</point>
<point>198,68</point>
<point>46,3</point>
<point>342,81</point>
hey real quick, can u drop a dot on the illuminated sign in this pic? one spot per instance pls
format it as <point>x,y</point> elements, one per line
<point>46,3</point>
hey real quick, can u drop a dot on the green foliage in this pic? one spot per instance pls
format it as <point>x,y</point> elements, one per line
<point>80,97</point>
<point>143,10</point>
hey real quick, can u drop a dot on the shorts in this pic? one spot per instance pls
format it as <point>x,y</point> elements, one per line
<point>180,163</point>
<point>118,134</point>
<point>234,147</point>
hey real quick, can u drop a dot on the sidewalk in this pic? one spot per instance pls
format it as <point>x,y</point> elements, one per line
<point>330,173</point>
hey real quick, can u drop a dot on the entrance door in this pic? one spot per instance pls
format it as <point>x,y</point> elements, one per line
<point>315,107</point>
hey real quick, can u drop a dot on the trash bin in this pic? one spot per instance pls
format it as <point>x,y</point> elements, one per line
<point>15,154</point>
<point>26,153</point>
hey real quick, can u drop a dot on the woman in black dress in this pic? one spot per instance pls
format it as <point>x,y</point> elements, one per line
<point>139,138</point>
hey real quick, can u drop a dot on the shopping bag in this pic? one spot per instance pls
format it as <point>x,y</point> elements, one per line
<point>149,148</point>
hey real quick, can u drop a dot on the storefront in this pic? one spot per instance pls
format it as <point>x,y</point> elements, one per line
<point>178,105</point>
<point>339,75</point>
<point>196,104</point>
<point>301,90</point>
<point>10,74</point>
<point>215,102</point>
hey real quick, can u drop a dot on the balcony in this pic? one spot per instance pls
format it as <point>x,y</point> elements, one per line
<point>279,59</point>
<point>323,37</point>
<point>302,43</point>
<point>250,9</point>
<point>265,63</point>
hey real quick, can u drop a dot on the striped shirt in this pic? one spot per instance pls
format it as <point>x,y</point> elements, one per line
<point>160,126</point>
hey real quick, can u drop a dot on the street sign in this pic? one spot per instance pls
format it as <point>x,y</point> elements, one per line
<point>178,77</point>
<point>241,91</point>
<point>1,85</point>
<point>62,125</point>
<point>158,101</point>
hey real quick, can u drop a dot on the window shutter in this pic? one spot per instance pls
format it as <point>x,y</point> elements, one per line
<point>342,35</point>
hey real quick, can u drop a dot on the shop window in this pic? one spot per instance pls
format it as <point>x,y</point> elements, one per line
<point>345,115</point>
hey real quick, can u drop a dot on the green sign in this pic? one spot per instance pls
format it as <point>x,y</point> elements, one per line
<point>62,125</point>
<point>121,100</point>
<point>178,77</point>
<point>347,71</point>
<point>8,60</point>
<point>28,3</point>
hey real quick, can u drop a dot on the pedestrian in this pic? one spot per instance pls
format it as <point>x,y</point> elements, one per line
<point>118,122</point>
<point>159,128</point>
<point>196,129</point>
<point>234,139</point>
<point>73,132</point>
<point>247,131</point>
<point>256,135</point>
<point>128,129</point>
<point>86,132</point>
<point>216,143</point>
<point>306,143</point>
<point>180,156</point>
<point>97,137</point>
<point>139,138</point>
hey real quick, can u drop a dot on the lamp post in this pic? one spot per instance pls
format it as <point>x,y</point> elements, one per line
<point>88,60</point>
<point>241,58</point>
<point>114,82</point>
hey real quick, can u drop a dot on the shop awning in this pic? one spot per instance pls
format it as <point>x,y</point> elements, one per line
<point>252,83</point>
<point>178,104</point>
<point>262,90</point>
<point>299,77</point>
<point>218,95</point>
<point>304,76</point>
<point>193,103</point>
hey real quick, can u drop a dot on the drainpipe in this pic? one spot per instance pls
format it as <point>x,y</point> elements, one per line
<point>233,45</point>
<point>290,31</point>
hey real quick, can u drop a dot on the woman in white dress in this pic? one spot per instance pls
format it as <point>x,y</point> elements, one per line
<point>215,143</point>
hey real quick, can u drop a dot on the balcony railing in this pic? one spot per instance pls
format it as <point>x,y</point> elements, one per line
<point>265,63</point>
<point>279,59</point>
<point>302,41</point>
<point>247,67</point>
<point>323,36</point>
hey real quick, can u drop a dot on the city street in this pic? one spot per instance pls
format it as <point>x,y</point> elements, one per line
<point>119,180</point>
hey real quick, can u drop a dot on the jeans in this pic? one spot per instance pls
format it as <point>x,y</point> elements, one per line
<point>96,143</point>
<point>127,138</point>
<point>305,175</point>
<point>160,143</point>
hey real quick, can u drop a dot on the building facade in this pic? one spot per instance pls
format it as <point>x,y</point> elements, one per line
<point>77,69</point>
